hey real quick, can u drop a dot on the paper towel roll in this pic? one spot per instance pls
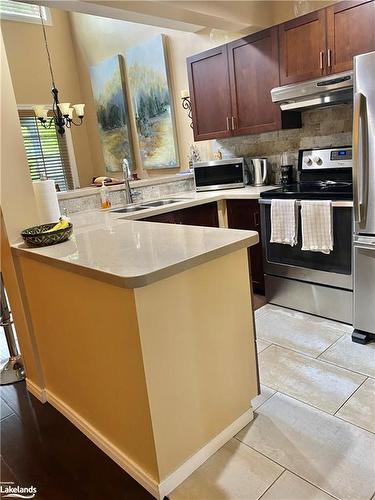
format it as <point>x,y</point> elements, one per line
<point>46,201</point>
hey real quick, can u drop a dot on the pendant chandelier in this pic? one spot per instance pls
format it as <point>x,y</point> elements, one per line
<point>62,111</point>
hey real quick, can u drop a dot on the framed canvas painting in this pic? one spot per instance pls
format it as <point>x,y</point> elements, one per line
<point>107,81</point>
<point>149,87</point>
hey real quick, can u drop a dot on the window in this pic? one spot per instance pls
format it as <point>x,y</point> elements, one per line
<point>46,150</point>
<point>18,11</point>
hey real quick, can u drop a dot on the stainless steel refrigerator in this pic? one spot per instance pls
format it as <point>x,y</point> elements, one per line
<point>364,198</point>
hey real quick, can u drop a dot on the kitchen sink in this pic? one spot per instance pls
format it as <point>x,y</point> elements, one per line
<point>147,204</point>
<point>159,203</point>
<point>128,209</point>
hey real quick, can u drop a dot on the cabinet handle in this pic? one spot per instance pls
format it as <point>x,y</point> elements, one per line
<point>228,124</point>
<point>321,60</point>
<point>233,123</point>
<point>256,219</point>
<point>329,58</point>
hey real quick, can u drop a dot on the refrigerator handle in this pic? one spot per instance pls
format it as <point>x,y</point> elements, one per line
<point>360,165</point>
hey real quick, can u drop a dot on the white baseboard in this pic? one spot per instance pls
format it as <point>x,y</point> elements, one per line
<point>195,461</point>
<point>158,490</point>
<point>105,445</point>
<point>36,391</point>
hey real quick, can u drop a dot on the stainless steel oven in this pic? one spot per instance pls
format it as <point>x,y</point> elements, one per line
<point>219,174</point>
<point>313,282</point>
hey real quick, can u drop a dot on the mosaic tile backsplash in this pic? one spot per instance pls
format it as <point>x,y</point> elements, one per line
<point>321,128</point>
<point>117,198</point>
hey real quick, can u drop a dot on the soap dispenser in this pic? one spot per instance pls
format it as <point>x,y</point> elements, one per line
<point>104,196</point>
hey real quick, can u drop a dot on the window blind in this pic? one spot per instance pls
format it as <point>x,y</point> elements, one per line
<point>11,9</point>
<point>46,151</point>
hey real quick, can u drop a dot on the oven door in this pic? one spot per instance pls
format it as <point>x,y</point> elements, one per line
<point>333,269</point>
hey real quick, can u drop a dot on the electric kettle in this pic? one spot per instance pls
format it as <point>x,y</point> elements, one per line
<point>259,171</point>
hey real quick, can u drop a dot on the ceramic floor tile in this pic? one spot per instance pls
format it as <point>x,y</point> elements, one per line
<point>310,380</point>
<point>334,455</point>
<point>5,411</point>
<point>265,393</point>
<point>291,487</point>
<point>357,357</point>
<point>261,345</point>
<point>298,331</point>
<point>235,472</point>
<point>360,408</point>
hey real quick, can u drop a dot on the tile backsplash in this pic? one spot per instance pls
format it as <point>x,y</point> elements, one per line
<point>331,126</point>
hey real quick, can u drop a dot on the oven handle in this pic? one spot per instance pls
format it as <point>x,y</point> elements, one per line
<point>335,204</point>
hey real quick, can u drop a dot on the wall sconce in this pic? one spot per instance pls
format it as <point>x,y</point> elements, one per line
<point>186,104</point>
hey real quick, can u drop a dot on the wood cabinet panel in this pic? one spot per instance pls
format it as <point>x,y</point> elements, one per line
<point>245,214</point>
<point>350,31</point>
<point>201,215</point>
<point>253,72</point>
<point>302,47</point>
<point>210,94</point>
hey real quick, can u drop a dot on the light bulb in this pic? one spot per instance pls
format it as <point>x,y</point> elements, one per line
<point>64,108</point>
<point>79,108</point>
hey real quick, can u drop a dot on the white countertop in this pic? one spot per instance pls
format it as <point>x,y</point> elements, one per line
<point>133,254</point>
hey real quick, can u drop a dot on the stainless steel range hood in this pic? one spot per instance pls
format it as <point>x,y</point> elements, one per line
<point>325,91</point>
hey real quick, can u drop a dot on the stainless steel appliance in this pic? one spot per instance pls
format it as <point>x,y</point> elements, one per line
<point>364,198</point>
<point>314,282</point>
<point>259,171</point>
<point>219,174</point>
<point>324,91</point>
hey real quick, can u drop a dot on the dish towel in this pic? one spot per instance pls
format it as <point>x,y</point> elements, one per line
<point>284,221</point>
<point>317,234</point>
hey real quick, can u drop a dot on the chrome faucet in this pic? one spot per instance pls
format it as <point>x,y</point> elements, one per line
<point>127,178</point>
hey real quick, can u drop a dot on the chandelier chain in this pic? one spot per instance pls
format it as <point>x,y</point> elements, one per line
<point>46,45</point>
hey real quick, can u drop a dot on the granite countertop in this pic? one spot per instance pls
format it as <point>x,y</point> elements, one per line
<point>129,253</point>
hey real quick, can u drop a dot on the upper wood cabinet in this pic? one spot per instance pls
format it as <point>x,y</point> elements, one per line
<point>210,94</point>
<point>253,72</point>
<point>324,42</point>
<point>230,88</point>
<point>302,47</point>
<point>350,31</point>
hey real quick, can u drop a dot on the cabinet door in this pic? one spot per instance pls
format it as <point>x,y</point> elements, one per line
<point>302,48</point>
<point>210,94</point>
<point>166,218</point>
<point>253,72</point>
<point>201,215</point>
<point>350,32</point>
<point>245,214</point>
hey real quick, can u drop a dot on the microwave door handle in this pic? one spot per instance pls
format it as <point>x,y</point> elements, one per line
<point>360,165</point>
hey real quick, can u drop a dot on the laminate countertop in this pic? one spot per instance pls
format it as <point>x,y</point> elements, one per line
<point>118,249</point>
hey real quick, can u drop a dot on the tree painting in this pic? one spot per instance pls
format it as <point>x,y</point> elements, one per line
<point>151,97</point>
<point>112,112</point>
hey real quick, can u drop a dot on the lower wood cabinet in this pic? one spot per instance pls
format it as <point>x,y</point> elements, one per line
<point>242,214</point>
<point>245,214</point>
<point>201,215</point>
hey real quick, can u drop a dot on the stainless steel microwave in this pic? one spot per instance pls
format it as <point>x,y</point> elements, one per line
<point>219,174</point>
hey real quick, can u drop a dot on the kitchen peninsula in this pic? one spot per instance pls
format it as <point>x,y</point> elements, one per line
<point>145,339</point>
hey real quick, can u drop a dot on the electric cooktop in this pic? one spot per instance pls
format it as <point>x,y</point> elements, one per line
<point>317,190</point>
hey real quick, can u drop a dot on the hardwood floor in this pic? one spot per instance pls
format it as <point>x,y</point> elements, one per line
<point>40,447</point>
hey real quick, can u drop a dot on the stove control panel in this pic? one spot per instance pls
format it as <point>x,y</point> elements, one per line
<point>315,159</point>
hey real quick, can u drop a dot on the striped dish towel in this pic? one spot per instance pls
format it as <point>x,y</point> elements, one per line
<point>284,222</point>
<point>317,233</point>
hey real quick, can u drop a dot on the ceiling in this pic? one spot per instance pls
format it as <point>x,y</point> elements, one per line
<point>234,16</point>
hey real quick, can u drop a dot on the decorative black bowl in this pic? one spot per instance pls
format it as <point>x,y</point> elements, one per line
<point>37,237</point>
